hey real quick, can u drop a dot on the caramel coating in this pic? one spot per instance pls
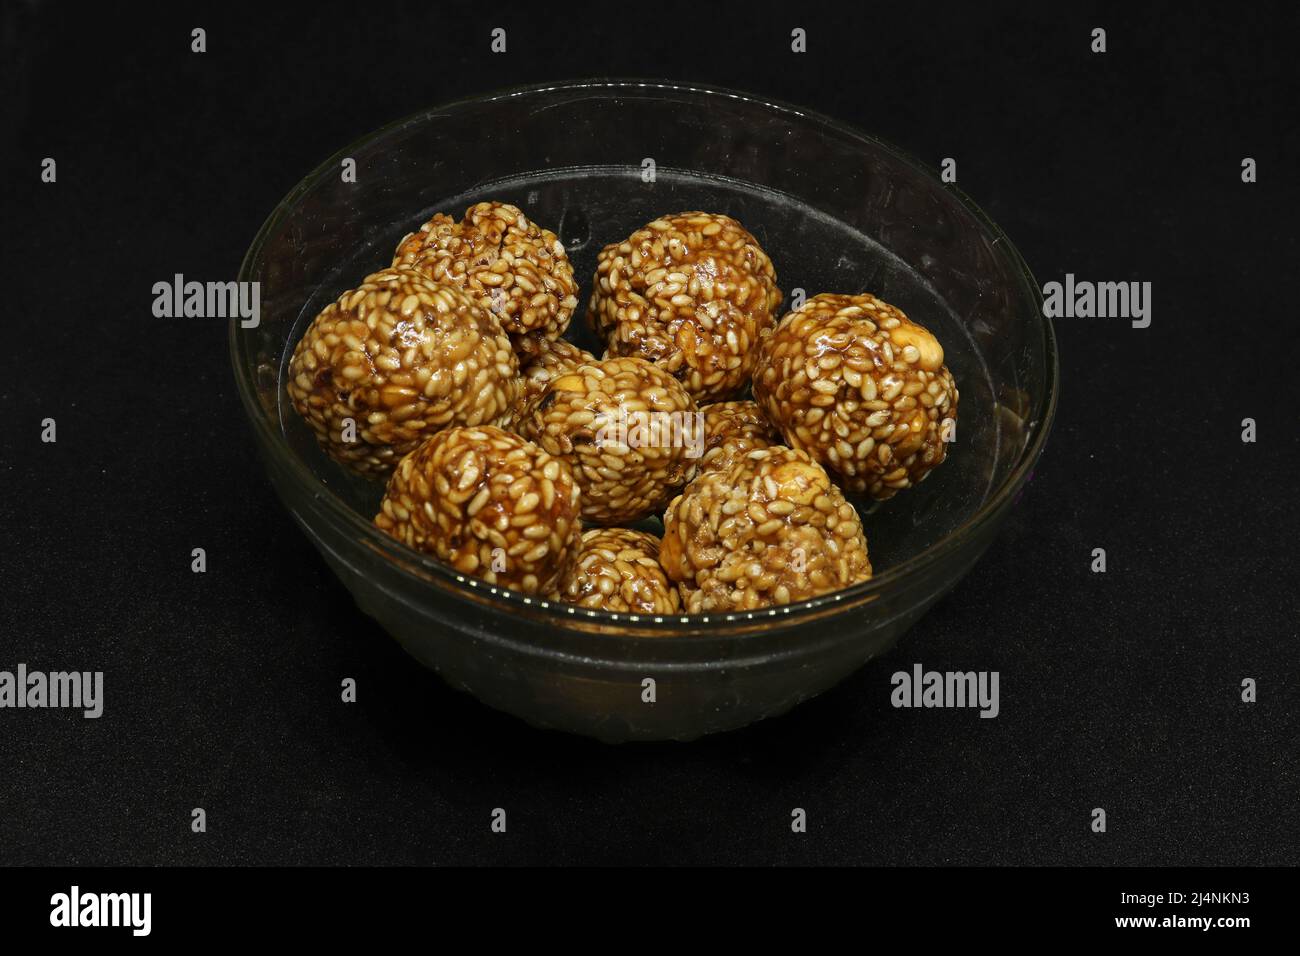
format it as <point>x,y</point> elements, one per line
<point>488,503</point>
<point>771,529</point>
<point>394,361</point>
<point>626,428</point>
<point>732,429</point>
<point>691,292</point>
<point>861,388</point>
<point>517,270</point>
<point>617,569</point>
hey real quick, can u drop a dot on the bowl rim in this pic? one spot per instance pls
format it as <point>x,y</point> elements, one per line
<point>562,614</point>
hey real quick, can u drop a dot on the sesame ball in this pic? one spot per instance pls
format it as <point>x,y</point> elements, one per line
<point>691,292</point>
<point>517,270</point>
<point>861,388</point>
<point>771,529</point>
<point>395,360</point>
<point>628,430</point>
<point>731,429</point>
<point>488,503</point>
<point>617,569</point>
<point>554,357</point>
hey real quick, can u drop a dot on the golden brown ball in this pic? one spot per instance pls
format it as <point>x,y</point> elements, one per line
<point>395,360</point>
<point>554,357</point>
<point>731,429</point>
<point>861,388</point>
<point>516,270</point>
<point>691,292</point>
<point>617,569</point>
<point>489,503</point>
<point>771,529</point>
<point>627,429</point>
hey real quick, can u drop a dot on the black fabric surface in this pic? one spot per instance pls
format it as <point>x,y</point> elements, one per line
<point>1118,690</point>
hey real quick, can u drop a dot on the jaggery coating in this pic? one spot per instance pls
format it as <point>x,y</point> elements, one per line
<point>772,529</point>
<point>490,504</point>
<point>617,569</point>
<point>731,429</point>
<point>517,270</point>
<point>394,361</point>
<point>861,388</point>
<point>628,431</point>
<point>691,292</point>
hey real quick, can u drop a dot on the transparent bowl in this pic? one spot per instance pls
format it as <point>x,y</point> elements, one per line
<point>837,210</point>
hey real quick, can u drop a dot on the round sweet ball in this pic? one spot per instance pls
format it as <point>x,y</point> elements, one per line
<point>629,431</point>
<point>516,269</point>
<point>488,503</point>
<point>617,569</point>
<point>731,430</point>
<point>691,292</point>
<point>554,357</point>
<point>863,389</point>
<point>771,529</point>
<point>395,360</point>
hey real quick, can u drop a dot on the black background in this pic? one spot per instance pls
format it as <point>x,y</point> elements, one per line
<point>1118,690</point>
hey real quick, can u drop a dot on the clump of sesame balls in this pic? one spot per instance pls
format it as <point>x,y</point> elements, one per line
<point>448,374</point>
<point>690,292</point>
<point>732,429</point>
<point>488,503</point>
<point>628,430</point>
<point>395,360</point>
<point>772,529</point>
<point>617,569</point>
<point>516,270</point>
<point>861,388</point>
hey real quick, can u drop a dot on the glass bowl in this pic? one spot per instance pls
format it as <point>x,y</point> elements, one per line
<point>837,210</point>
